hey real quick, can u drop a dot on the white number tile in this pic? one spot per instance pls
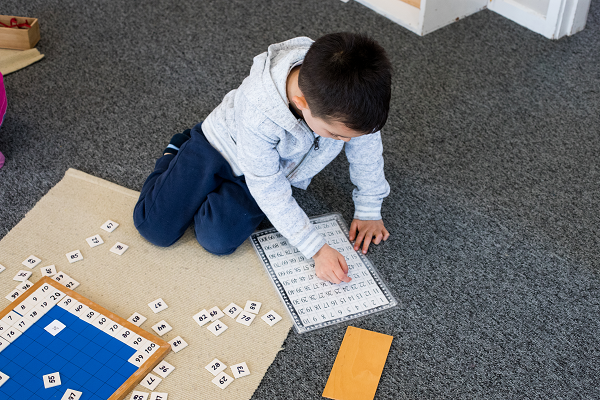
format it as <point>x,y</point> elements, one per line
<point>271,318</point>
<point>239,370</point>
<point>51,380</point>
<point>43,291</point>
<point>252,307</point>
<point>71,284</point>
<point>163,369</point>
<point>222,380</point>
<point>31,261</point>
<point>3,378</point>
<point>215,313</point>
<point>158,396</point>
<point>10,318</point>
<point>60,277</point>
<point>22,324</point>
<point>24,286</point>
<point>202,318</point>
<point>2,268</point>
<point>33,316</point>
<point>74,256</point>
<point>136,395</point>
<point>22,276</point>
<point>66,302</point>
<point>23,307</point>
<point>12,296</point>
<point>90,315</point>
<point>119,248</point>
<point>138,359</point>
<point>233,310</point>
<point>157,305</point>
<point>162,327</point>
<point>245,318</point>
<point>109,226</point>
<point>50,270</point>
<point>151,381</point>
<point>71,394</point>
<point>217,327</point>
<point>124,335</point>
<point>137,319</point>
<point>113,329</point>
<point>94,241</point>
<point>78,309</point>
<point>11,334</point>
<point>102,322</point>
<point>215,366</point>
<point>55,296</point>
<point>136,341</point>
<point>178,344</point>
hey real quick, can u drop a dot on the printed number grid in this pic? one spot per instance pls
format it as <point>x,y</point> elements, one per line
<point>312,302</point>
<point>87,359</point>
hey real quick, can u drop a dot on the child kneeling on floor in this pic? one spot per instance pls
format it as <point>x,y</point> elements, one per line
<point>301,104</point>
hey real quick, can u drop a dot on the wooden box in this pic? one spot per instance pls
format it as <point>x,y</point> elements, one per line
<point>18,38</point>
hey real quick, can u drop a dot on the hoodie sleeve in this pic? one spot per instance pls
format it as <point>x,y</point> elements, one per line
<point>259,161</point>
<point>365,155</point>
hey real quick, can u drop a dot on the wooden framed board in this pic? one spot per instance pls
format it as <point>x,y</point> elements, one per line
<point>88,351</point>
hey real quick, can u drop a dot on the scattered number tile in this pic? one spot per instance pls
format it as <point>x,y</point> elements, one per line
<point>22,275</point>
<point>24,285</point>
<point>252,306</point>
<point>51,380</point>
<point>217,327</point>
<point>202,318</point>
<point>178,344</point>
<point>246,318</point>
<point>32,261</point>
<point>74,256</point>
<point>50,270</point>
<point>94,241</point>
<point>162,327</point>
<point>233,310</point>
<point>158,305</point>
<point>215,313</point>
<point>2,268</point>
<point>151,381</point>
<point>55,327</point>
<point>109,226</point>
<point>71,394</point>
<point>135,395</point>
<point>12,296</point>
<point>240,370</point>
<point>222,380</point>
<point>271,318</point>
<point>137,319</point>
<point>158,396</point>
<point>215,367</point>
<point>3,378</point>
<point>163,369</point>
<point>119,248</point>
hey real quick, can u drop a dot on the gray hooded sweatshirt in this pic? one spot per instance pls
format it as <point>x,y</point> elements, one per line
<point>255,131</point>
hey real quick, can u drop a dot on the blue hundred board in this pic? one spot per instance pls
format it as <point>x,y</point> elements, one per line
<point>79,346</point>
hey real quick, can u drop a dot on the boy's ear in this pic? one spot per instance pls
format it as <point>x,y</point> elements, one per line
<point>300,102</point>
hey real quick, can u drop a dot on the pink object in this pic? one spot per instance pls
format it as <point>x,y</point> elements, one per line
<point>3,105</point>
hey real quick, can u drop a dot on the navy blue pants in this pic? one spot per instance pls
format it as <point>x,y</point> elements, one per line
<point>196,186</point>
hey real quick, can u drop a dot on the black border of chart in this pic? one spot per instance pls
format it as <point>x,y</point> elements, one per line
<point>298,325</point>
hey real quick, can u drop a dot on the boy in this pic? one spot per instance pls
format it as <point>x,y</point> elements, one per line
<point>302,102</point>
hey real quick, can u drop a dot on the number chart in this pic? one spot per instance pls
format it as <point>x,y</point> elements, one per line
<point>314,303</point>
<point>56,344</point>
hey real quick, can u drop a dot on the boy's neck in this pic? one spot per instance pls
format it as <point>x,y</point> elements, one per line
<point>292,88</point>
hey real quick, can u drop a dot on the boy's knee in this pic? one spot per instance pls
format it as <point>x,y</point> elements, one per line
<point>151,233</point>
<point>217,246</point>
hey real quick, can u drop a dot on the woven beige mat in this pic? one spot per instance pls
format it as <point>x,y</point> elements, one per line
<point>184,275</point>
<point>14,60</point>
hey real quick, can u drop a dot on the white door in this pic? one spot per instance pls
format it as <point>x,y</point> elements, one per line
<point>551,18</point>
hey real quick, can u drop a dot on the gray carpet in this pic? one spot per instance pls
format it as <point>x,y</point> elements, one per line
<point>491,150</point>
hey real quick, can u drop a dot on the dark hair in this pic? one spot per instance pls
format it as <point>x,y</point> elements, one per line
<point>347,77</point>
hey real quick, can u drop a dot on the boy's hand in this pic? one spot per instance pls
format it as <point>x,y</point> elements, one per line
<point>369,231</point>
<point>330,265</point>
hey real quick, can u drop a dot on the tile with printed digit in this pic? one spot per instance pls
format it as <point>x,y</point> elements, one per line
<point>151,381</point>
<point>157,305</point>
<point>3,378</point>
<point>246,318</point>
<point>102,322</point>
<point>252,307</point>
<point>271,318</point>
<point>124,335</point>
<point>55,296</point>
<point>137,319</point>
<point>178,344</point>
<point>51,380</point>
<point>50,270</point>
<point>12,296</point>
<point>23,307</point>
<point>78,309</point>
<point>55,327</point>
<point>232,310</point>
<point>163,369</point>
<point>215,366</point>
<point>10,318</point>
<point>90,316</point>
<point>31,262</point>
<point>137,395</point>
<point>222,380</point>
<point>71,394</point>
<point>94,241</point>
<point>215,313</point>
<point>22,324</point>
<point>66,302</point>
<point>202,318</point>
<point>137,342</point>
<point>119,248</point>
<point>217,327</point>
<point>65,280</point>
<point>74,256</point>
<point>162,327</point>
<point>138,359</point>
<point>240,370</point>
<point>33,315</point>
<point>2,268</point>
<point>25,285</point>
<point>113,329</point>
<point>22,275</point>
<point>158,396</point>
<point>11,334</point>
<point>109,226</point>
